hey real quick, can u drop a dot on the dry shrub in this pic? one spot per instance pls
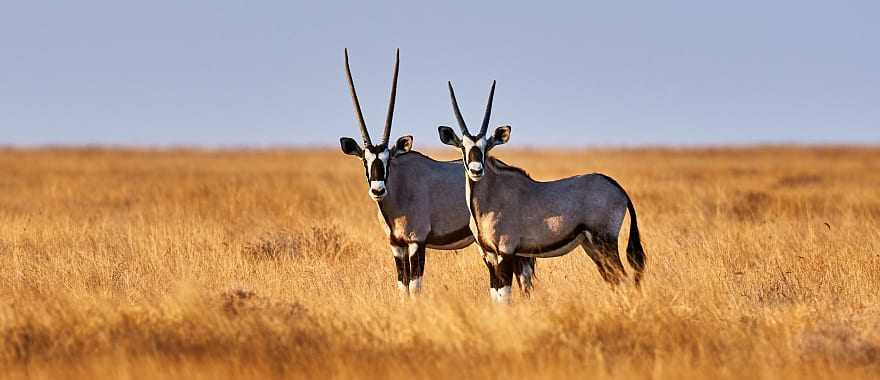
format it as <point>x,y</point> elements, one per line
<point>240,301</point>
<point>795,181</point>
<point>781,290</point>
<point>841,343</point>
<point>751,206</point>
<point>323,242</point>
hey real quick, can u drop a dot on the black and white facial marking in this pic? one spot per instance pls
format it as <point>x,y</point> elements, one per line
<point>377,162</point>
<point>474,149</point>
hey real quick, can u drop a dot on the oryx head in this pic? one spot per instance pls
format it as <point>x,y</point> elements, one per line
<point>474,148</point>
<point>376,158</point>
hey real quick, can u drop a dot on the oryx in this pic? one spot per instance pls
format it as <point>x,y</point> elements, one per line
<point>514,216</point>
<point>420,200</point>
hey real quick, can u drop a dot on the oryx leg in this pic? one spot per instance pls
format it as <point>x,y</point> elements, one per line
<point>493,280</point>
<point>501,276</point>
<point>603,251</point>
<point>401,261</point>
<point>490,259</point>
<point>416,267</point>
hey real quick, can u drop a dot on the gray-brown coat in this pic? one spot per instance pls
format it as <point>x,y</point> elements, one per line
<point>514,216</point>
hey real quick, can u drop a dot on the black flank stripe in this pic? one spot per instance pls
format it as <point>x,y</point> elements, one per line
<point>450,238</point>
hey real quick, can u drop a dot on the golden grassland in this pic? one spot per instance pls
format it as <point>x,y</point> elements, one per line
<point>763,262</point>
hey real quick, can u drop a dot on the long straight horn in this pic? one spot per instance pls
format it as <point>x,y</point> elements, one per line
<point>461,124</point>
<point>387,132</point>
<point>488,111</point>
<point>357,106</point>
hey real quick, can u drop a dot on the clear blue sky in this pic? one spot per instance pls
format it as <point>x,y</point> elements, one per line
<point>219,73</point>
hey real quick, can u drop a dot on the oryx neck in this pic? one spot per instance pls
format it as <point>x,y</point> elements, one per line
<point>477,190</point>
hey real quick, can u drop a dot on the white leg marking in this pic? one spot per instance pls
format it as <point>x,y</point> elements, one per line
<point>504,294</point>
<point>493,295</point>
<point>415,283</point>
<point>415,286</point>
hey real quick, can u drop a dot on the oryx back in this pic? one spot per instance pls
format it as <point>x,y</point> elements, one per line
<point>516,214</point>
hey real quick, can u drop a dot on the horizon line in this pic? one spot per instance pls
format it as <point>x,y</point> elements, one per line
<point>524,147</point>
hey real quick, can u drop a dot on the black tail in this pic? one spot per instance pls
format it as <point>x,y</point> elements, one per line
<point>635,254</point>
<point>518,269</point>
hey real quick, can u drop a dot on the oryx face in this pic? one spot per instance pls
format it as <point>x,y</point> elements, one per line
<point>473,151</point>
<point>377,161</point>
<point>474,148</point>
<point>376,166</point>
<point>376,158</point>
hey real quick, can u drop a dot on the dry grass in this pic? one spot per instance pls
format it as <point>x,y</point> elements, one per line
<point>763,263</point>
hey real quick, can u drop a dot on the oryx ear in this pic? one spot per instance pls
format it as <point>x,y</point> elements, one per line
<point>403,145</point>
<point>501,135</point>
<point>350,147</point>
<point>448,136</point>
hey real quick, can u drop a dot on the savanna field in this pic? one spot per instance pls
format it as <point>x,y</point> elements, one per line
<point>763,263</point>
